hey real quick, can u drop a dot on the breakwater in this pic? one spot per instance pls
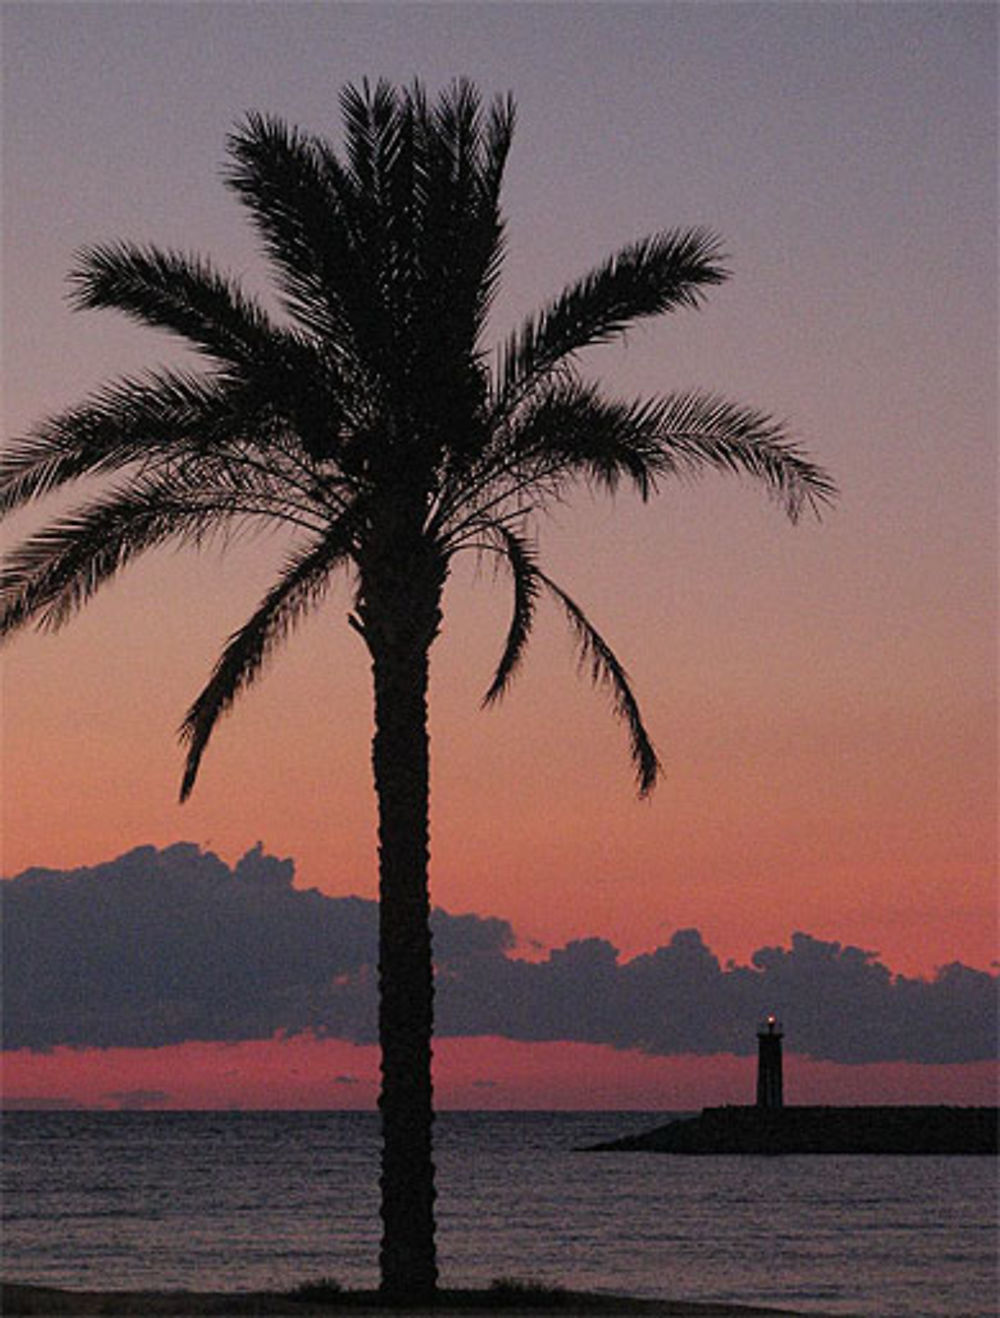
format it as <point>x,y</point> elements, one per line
<point>876,1130</point>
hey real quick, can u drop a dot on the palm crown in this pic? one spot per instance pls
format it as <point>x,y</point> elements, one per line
<point>372,414</point>
<point>371,422</point>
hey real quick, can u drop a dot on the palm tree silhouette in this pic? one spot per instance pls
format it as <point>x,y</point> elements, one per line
<point>371,421</point>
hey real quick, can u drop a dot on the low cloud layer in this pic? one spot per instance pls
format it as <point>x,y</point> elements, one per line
<point>162,947</point>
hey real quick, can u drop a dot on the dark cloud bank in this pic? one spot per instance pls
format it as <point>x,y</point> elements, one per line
<point>161,947</point>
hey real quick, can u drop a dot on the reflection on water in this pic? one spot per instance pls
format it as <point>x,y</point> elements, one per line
<point>247,1200</point>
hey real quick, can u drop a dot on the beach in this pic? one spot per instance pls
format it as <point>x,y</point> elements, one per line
<point>39,1300</point>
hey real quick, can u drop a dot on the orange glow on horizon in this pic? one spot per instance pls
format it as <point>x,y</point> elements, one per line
<point>474,1073</point>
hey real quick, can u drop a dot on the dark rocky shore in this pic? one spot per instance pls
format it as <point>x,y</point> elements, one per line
<point>880,1130</point>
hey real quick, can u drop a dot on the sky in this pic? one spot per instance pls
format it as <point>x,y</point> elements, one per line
<point>822,696</point>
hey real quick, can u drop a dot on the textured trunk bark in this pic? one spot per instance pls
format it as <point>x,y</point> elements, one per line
<point>400,616</point>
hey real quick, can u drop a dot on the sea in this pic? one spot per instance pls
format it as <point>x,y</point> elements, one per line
<point>249,1200</point>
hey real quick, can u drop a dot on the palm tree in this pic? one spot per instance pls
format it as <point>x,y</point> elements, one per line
<point>370,421</point>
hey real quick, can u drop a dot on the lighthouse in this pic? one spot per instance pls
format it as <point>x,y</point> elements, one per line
<point>769,1086</point>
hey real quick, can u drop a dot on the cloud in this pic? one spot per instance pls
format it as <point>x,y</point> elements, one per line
<point>838,1003</point>
<point>161,947</point>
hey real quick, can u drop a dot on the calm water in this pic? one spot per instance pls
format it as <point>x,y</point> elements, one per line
<point>247,1200</point>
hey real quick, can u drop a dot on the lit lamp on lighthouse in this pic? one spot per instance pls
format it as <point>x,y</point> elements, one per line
<point>769,1084</point>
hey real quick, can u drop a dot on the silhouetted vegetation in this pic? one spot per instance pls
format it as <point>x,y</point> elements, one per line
<point>321,1290</point>
<point>509,1290</point>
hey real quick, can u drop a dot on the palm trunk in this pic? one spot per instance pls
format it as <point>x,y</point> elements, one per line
<point>399,626</point>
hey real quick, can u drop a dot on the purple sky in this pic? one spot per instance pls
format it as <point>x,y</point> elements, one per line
<point>823,696</point>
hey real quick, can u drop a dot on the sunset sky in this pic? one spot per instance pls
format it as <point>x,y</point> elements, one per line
<point>822,696</point>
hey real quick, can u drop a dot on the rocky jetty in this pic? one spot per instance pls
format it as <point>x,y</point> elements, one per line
<point>881,1130</point>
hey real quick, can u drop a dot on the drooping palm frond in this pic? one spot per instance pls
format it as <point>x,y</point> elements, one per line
<point>602,440</point>
<point>299,588</point>
<point>596,656</point>
<point>519,558</point>
<point>646,278</point>
<point>571,430</point>
<point>605,671</point>
<point>275,366</point>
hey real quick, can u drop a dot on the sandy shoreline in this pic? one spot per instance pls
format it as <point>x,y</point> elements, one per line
<point>44,1300</point>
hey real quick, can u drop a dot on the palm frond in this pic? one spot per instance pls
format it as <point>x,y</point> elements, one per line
<point>596,656</point>
<point>300,587</point>
<point>519,558</point>
<point>564,432</point>
<point>372,123</point>
<point>498,134</point>
<point>176,418</point>
<point>568,430</point>
<point>288,182</point>
<point>693,430</point>
<point>183,294</point>
<point>54,572</point>
<point>646,278</point>
<point>384,149</point>
<point>605,670</point>
<point>425,185</point>
<point>463,226</point>
<point>129,421</point>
